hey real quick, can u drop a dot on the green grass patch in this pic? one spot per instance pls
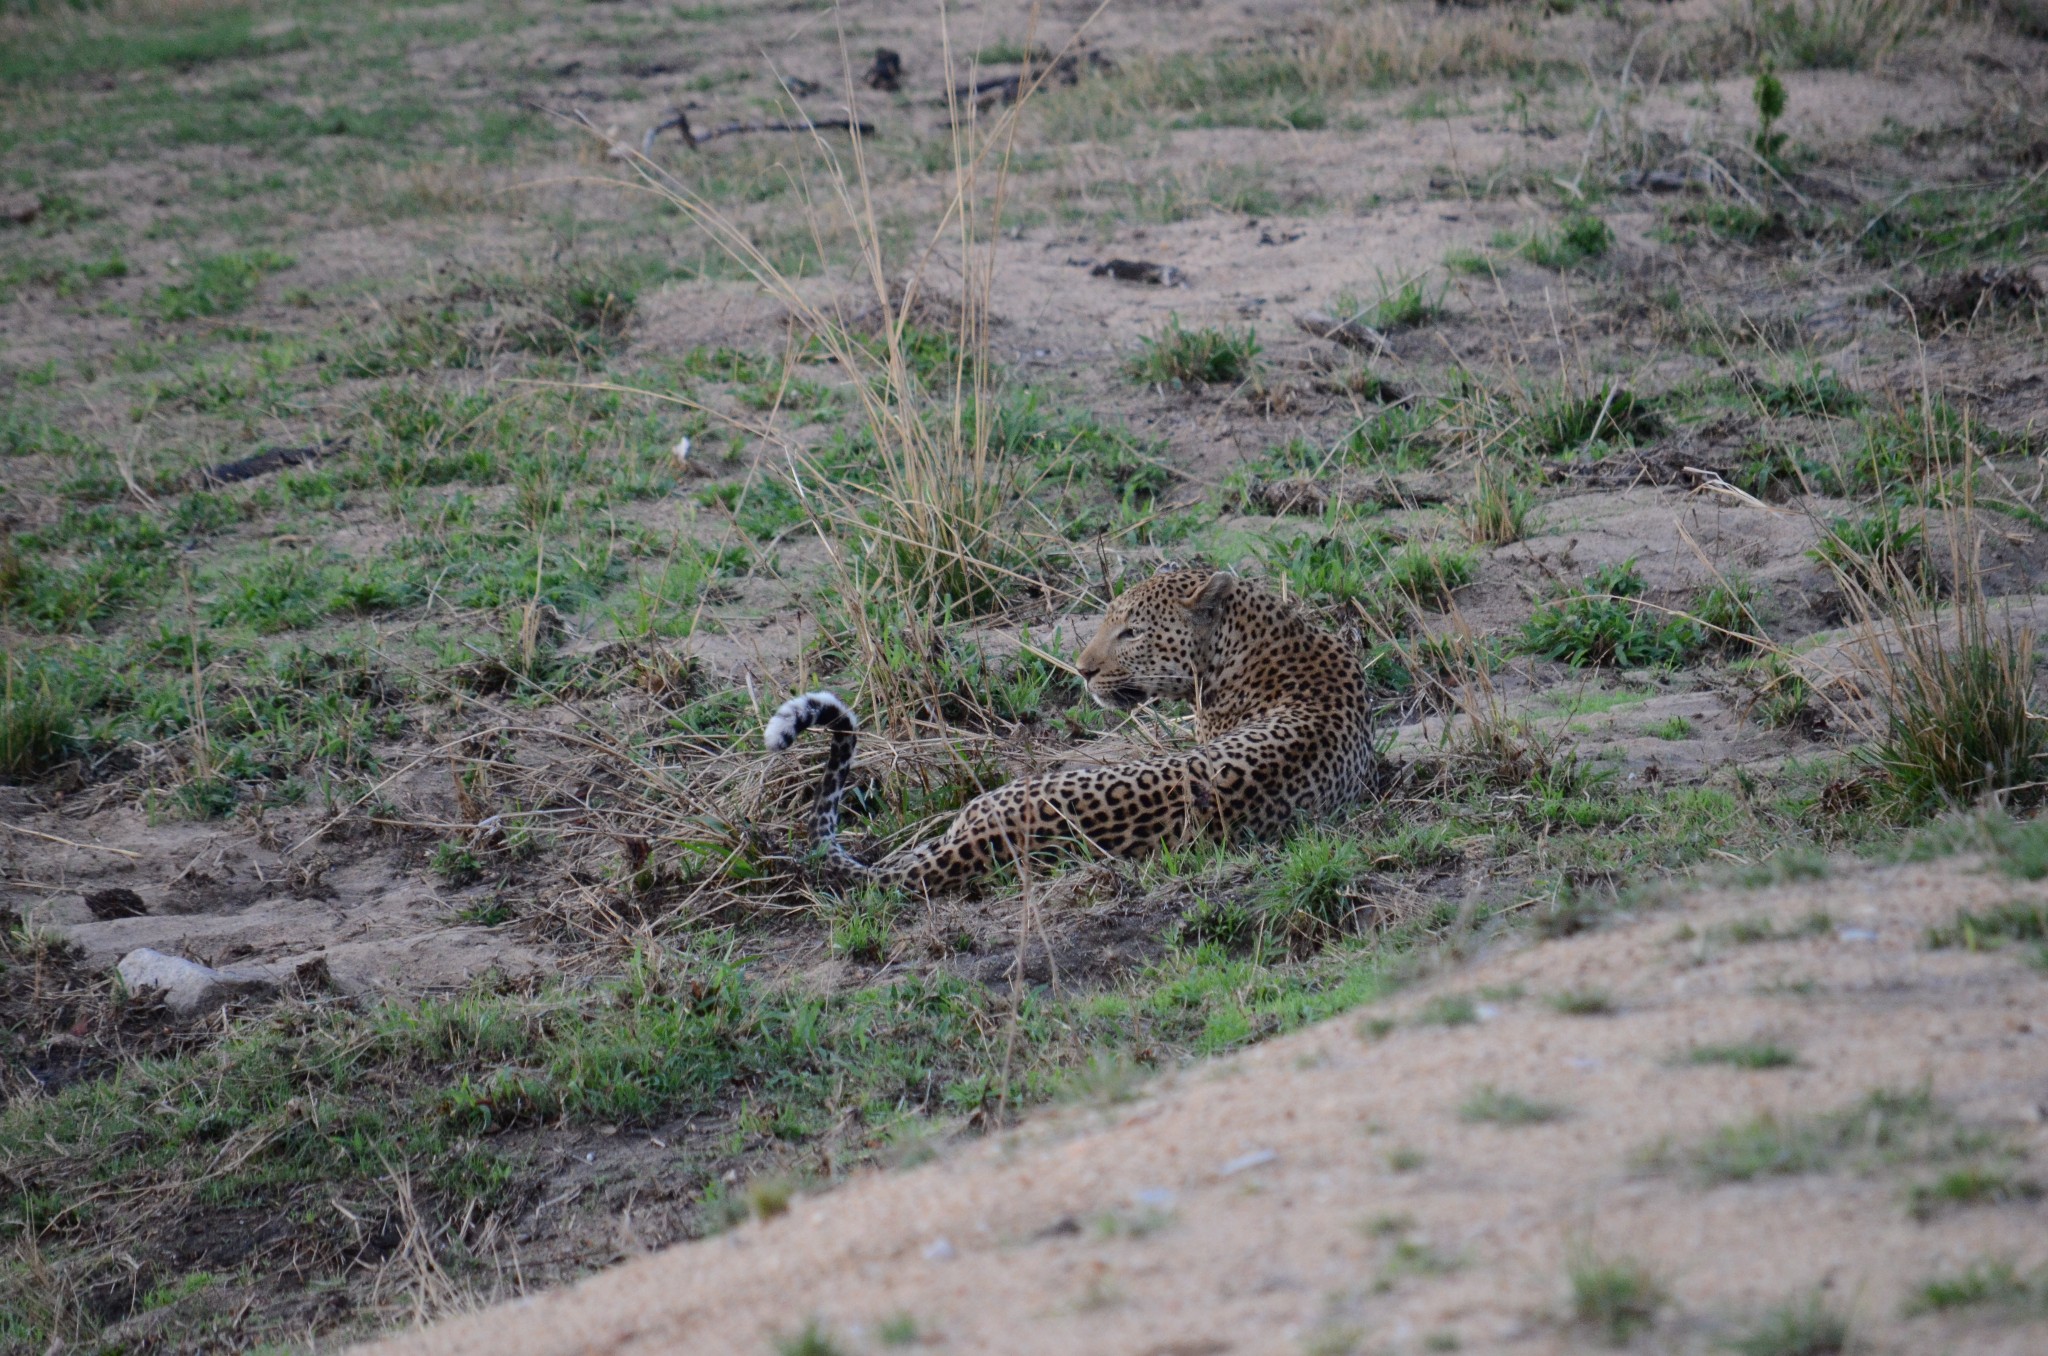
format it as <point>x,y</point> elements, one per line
<point>1989,1284</point>
<point>1744,1055</point>
<point>1606,624</point>
<point>1176,356</point>
<point>1972,1185</point>
<point>1882,1128</point>
<point>1396,305</point>
<point>1567,424</point>
<point>1807,1327</point>
<point>1450,1009</point>
<point>1495,1106</point>
<point>38,728</point>
<point>217,284</point>
<point>66,51</point>
<point>1616,1300</point>
<point>1575,242</point>
<point>2013,921</point>
<point>1948,227</point>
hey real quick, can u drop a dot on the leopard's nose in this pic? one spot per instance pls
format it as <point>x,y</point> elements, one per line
<point>1087,668</point>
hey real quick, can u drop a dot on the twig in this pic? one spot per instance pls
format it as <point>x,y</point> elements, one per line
<point>1351,333</point>
<point>1772,170</point>
<point>679,121</point>
<point>1712,482</point>
<point>67,842</point>
<point>125,464</point>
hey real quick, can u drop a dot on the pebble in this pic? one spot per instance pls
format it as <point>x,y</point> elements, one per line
<point>1257,1158</point>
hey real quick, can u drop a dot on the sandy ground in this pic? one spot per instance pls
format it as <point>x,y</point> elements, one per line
<point>1323,1193</point>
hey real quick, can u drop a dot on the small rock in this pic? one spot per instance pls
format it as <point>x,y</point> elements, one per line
<point>1154,1198</point>
<point>118,902</point>
<point>189,988</point>
<point>939,1250</point>
<point>1855,935</point>
<point>20,208</point>
<point>1257,1158</point>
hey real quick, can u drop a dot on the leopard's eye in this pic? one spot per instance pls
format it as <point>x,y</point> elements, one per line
<point>1125,634</point>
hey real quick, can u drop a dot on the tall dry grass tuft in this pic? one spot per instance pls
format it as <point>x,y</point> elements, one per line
<point>1373,42</point>
<point>1831,34</point>
<point>1953,683</point>
<point>924,530</point>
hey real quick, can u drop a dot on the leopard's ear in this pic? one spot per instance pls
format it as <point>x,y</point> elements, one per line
<point>1206,607</point>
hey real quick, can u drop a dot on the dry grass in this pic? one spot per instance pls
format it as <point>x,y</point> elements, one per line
<point>1953,683</point>
<point>1371,42</point>
<point>928,534</point>
<point>1850,34</point>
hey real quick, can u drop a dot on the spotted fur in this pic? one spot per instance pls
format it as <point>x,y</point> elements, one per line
<point>1281,713</point>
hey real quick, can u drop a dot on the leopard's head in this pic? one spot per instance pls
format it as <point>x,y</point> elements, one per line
<point>1154,641</point>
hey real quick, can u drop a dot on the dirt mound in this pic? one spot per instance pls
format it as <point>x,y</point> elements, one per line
<point>1782,1106</point>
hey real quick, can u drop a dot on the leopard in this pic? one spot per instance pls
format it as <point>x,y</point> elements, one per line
<point>1283,733</point>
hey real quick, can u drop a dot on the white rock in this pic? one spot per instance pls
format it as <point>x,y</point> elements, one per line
<point>1257,1158</point>
<point>188,987</point>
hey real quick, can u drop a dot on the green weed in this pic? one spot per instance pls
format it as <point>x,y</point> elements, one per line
<point>1497,512</point>
<point>1727,613</point>
<point>1400,305</point>
<point>1615,1299</point>
<point>898,1330</point>
<point>455,864</point>
<point>217,284</point>
<point>1183,357</point>
<point>1566,424</point>
<point>1809,1327</point>
<point>1398,438</point>
<point>1451,1009</point>
<point>1493,1106</point>
<point>1951,227</point>
<point>1814,392</point>
<point>1885,1126</point>
<point>1779,695</point>
<point>1744,1055</point>
<point>1958,720</point>
<point>2013,921</point>
<point>38,725</point>
<point>1768,94</point>
<point>1985,1284</point>
<point>1429,575</point>
<point>1972,1185</point>
<point>814,1339</point>
<point>1340,568</point>
<point>1311,898</point>
<point>1606,624</point>
<point>1578,240</point>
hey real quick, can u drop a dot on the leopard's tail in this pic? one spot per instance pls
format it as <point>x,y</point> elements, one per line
<point>825,710</point>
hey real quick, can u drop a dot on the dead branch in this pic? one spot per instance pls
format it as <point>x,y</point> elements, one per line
<point>1350,333</point>
<point>678,121</point>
